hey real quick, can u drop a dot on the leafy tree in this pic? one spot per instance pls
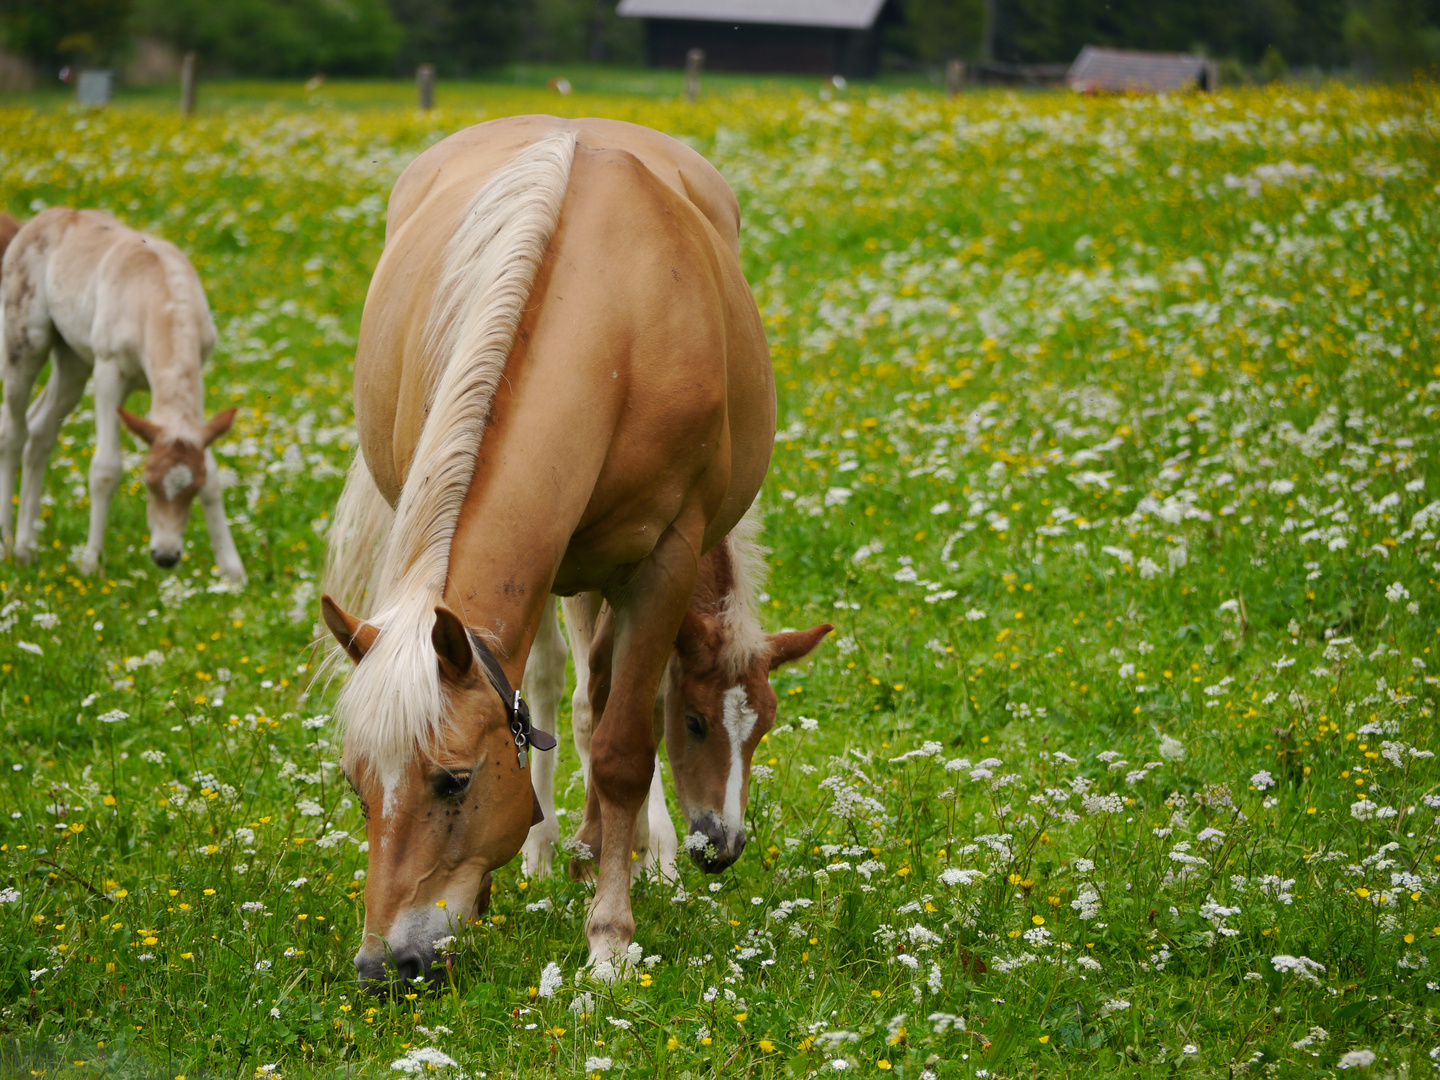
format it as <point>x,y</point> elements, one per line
<point>55,32</point>
<point>276,37</point>
<point>941,30</point>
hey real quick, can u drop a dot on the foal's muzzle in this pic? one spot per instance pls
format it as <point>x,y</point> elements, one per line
<point>722,849</point>
<point>166,557</point>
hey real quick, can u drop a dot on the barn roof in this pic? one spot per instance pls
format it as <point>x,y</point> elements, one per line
<point>1127,69</point>
<point>837,14</point>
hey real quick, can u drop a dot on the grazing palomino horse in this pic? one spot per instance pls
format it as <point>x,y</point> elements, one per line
<point>714,707</point>
<point>128,308</point>
<point>570,291</point>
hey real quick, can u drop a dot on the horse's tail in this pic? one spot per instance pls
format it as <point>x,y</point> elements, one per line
<point>357,536</point>
<point>394,700</point>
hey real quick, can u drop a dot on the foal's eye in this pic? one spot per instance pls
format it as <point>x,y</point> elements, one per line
<point>451,785</point>
<point>695,724</point>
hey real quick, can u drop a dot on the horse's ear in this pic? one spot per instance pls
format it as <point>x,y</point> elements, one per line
<point>218,425</point>
<point>354,636</point>
<point>142,428</point>
<point>452,643</point>
<point>696,640</point>
<point>795,644</point>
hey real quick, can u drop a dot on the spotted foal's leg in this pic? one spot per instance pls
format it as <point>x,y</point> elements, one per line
<point>212,504</point>
<point>106,468</point>
<point>27,343</point>
<point>62,393</point>
<point>543,687</point>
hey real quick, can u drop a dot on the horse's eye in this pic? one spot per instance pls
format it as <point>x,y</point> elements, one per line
<point>451,785</point>
<point>695,724</point>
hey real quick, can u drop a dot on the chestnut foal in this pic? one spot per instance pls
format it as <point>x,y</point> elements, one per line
<point>715,705</point>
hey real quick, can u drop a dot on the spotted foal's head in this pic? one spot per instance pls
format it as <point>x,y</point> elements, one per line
<point>174,473</point>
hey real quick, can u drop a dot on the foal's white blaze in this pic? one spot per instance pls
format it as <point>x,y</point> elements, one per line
<point>739,720</point>
<point>177,480</point>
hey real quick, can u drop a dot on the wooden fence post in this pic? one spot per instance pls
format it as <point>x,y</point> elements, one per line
<point>425,85</point>
<point>694,61</point>
<point>187,84</point>
<point>954,77</point>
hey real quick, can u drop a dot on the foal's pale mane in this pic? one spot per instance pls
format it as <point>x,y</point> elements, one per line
<point>744,639</point>
<point>394,702</point>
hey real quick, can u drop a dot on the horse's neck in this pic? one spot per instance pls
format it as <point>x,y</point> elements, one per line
<point>500,576</point>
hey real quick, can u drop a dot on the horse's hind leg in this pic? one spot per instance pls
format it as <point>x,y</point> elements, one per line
<point>543,687</point>
<point>61,394</point>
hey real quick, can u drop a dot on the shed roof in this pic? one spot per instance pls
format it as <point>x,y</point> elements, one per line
<point>837,14</point>
<point>1128,69</point>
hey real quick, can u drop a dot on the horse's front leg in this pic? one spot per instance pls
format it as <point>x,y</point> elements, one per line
<point>655,840</point>
<point>543,687</point>
<point>212,503</point>
<point>648,611</point>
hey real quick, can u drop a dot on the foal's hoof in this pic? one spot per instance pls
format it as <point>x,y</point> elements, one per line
<point>233,573</point>
<point>89,563</point>
<point>23,554</point>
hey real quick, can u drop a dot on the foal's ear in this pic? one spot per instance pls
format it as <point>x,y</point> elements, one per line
<point>218,425</point>
<point>697,641</point>
<point>354,636</point>
<point>452,643</point>
<point>795,644</point>
<point>142,428</point>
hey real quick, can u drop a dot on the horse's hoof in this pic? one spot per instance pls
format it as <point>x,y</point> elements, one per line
<point>89,564</point>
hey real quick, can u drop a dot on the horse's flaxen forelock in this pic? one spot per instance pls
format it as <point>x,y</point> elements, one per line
<point>394,702</point>
<point>744,638</point>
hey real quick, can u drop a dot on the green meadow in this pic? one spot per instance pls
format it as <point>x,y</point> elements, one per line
<point>1107,441</point>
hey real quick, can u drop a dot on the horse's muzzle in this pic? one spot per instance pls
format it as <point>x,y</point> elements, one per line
<point>722,849</point>
<point>383,973</point>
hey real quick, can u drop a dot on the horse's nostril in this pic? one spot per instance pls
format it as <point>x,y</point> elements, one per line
<point>407,967</point>
<point>370,966</point>
<point>166,559</point>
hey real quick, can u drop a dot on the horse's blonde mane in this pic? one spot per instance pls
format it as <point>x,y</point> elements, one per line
<point>394,703</point>
<point>744,638</point>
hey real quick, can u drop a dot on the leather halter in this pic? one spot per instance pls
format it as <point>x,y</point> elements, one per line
<point>516,711</point>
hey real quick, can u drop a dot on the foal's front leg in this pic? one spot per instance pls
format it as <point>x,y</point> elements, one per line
<point>647,616</point>
<point>212,503</point>
<point>106,467</point>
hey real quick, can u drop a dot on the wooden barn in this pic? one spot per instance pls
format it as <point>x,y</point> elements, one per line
<point>822,37</point>
<point>1130,71</point>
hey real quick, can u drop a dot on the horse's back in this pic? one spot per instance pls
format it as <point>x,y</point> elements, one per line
<point>471,156</point>
<point>640,345</point>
